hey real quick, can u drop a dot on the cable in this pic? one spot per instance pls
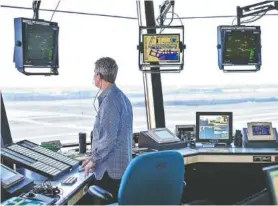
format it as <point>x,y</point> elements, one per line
<point>252,19</point>
<point>72,12</point>
<point>55,9</point>
<point>124,17</point>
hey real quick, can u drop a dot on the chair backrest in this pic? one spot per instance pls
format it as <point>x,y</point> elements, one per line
<point>153,179</point>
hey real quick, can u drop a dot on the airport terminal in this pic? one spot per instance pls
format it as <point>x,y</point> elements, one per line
<point>207,162</point>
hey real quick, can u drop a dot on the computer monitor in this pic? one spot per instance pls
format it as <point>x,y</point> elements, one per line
<point>239,45</point>
<point>5,133</point>
<point>160,48</point>
<point>36,43</point>
<point>163,135</point>
<point>261,131</point>
<point>9,177</point>
<point>214,127</point>
<point>272,182</point>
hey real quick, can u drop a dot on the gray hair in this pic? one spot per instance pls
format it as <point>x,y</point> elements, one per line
<point>108,69</point>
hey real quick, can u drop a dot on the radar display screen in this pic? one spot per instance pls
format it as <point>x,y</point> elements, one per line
<point>40,41</point>
<point>161,48</point>
<point>214,127</point>
<point>241,47</point>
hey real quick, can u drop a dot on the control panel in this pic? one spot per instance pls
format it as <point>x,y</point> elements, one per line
<point>38,159</point>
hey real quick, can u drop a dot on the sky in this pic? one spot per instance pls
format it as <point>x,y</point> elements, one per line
<point>84,39</point>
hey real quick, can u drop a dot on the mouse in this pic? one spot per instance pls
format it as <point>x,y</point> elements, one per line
<point>30,195</point>
<point>80,169</point>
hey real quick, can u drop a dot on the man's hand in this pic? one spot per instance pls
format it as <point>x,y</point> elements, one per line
<point>89,166</point>
<point>86,162</point>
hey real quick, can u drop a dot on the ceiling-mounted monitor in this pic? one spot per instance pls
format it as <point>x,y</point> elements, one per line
<point>161,52</point>
<point>239,46</point>
<point>36,45</point>
<point>160,48</point>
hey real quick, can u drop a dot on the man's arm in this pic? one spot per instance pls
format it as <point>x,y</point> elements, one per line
<point>109,125</point>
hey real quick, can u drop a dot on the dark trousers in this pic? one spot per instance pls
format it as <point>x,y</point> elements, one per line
<point>110,185</point>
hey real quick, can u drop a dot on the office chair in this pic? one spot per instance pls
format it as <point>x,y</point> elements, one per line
<point>155,178</point>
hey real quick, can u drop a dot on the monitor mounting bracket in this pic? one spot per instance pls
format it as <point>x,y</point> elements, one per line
<point>36,7</point>
<point>255,9</point>
<point>164,9</point>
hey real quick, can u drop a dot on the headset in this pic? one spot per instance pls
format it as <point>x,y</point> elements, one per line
<point>101,77</point>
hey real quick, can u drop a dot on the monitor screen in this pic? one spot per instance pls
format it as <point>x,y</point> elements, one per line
<point>40,40</point>
<point>259,130</point>
<point>6,174</point>
<point>274,179</point>
<point>214,127</point>
<point>241,47</point>
<point>163,134</point>
<point>161,48</point>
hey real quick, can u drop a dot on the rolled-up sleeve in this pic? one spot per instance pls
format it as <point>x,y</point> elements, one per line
<point>109,116</point>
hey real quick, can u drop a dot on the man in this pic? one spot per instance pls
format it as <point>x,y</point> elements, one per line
<point>112,134</point>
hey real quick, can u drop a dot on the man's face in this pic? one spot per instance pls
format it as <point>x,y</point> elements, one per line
<point>97,80</point>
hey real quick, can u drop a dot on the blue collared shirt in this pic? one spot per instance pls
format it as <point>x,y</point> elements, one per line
<point>112,134</point>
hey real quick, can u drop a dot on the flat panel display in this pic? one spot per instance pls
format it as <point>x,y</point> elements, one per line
<point>214,127</point>
<point>241,47</point>
<point>161,48</point>
<point>260,131</point>
<point>164,134</point>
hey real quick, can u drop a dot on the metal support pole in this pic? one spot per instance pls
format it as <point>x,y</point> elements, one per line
<point>157,93</point>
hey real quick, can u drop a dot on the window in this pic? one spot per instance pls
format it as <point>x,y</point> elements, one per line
<point>201,86</point>
<point>59,107</point>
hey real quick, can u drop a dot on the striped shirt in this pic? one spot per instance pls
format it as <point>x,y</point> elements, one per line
<point>112,134</point>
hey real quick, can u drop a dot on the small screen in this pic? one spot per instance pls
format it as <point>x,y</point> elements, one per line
<point>164,134</point>
<point>161,48</point>
<point>261,130</point>
<point>214,127</point>
<point>6,174</point>
<point>241,47</point>
<point>274,177</point>
<point>40,42</point>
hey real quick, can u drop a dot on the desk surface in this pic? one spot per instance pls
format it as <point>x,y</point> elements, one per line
<point>69,194</point>
<point>229,155</point>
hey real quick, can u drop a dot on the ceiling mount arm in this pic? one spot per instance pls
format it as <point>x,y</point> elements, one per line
<point>36,8</point>
<point>255,9</point>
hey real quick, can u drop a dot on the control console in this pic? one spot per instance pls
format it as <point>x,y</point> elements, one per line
<point>38,159</point>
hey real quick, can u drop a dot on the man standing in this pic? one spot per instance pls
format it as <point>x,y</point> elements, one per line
<point>112,134</point>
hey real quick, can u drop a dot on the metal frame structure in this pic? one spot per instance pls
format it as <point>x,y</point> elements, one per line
<point>143,66</point>
<point>157,93</point>
<point>258,8</point>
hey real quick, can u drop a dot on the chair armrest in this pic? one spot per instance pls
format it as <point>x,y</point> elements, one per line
<point>100,193</point>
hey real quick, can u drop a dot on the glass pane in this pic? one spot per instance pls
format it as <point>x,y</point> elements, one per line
<point>59,107</point>
<point>203,87</point>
